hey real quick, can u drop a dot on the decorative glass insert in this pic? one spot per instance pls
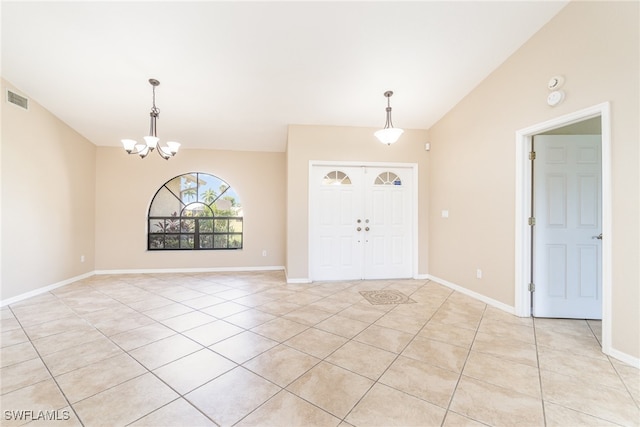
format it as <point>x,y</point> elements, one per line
<point>195,211</point>
<point>336,178</point>
<point>388,178</point>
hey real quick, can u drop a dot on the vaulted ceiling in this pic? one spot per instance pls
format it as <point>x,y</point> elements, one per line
<point>234,74</point>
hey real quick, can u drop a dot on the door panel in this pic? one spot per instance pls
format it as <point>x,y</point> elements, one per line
<point>568,210</point>
<point>377,247</point>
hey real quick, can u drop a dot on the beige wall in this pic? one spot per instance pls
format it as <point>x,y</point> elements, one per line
<point>126,184</point>
<point>48,199</point>
<point>595,45</point>
<point>334,143</point>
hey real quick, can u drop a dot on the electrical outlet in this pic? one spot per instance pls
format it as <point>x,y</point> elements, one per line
<point>81,258</point>
<point>264,252</point>
<point>478,274</point>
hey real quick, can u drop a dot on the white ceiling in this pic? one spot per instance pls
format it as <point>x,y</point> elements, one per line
<point>235,74</point>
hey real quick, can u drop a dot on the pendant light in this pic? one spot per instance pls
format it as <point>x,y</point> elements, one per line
<point>151,140</point>
<point>389,134</point>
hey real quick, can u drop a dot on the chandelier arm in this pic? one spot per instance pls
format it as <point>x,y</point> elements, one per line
<point>163,153</point>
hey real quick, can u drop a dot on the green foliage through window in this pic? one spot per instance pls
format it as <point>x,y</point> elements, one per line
<point>195,211</point>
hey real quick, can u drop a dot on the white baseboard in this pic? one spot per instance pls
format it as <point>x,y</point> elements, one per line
<point>421,277</point>
<point>189,270</point>
<point>44,289</point>
<point>626,358</point>
<point>485,299</point>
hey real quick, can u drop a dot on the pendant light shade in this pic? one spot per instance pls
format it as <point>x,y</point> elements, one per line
<point>151,141</point>
<point>389,134</point>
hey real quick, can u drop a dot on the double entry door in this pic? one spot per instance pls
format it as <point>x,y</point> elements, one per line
<point>361,222</point>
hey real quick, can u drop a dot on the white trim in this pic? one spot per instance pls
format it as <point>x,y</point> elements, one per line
<point>421,277</point>
<point>301,280</point>
<point>189,270</point>
<point>626,358</point>
<point>485,299</point>
<point>44,289</point>
<point>414,203</point>
<point>523,207</point>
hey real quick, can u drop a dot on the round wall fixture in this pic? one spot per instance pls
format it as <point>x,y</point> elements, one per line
<point>555,82</point>
<point>555,98</point>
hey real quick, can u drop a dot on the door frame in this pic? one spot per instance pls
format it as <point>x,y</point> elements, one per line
<point>414,201</point>
<point>523,209</point>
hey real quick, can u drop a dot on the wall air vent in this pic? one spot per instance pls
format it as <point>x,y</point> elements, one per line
<point>18,100</point>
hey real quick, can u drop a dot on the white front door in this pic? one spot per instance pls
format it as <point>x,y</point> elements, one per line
<point>360,222</point>
<point>567,250</point>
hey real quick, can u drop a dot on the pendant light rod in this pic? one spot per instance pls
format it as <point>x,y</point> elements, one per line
<point>388,135</point>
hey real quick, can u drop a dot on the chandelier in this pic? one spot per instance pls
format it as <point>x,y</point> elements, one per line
<point>151,140</point>
<point>389,134</point>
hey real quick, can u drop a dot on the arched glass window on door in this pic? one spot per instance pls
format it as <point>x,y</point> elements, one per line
<point>195,211</point>
<point>388,178</point>
<point>336,178</point>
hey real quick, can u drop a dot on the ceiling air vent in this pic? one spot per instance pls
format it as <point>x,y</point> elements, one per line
<point>18,100</point>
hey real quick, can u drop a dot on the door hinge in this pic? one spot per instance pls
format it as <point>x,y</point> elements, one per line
<point>532,287</point>
<point>532,221</point>
<point>532,155</point>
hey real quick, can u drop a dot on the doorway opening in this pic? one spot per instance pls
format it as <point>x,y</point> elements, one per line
<point>524,201</point>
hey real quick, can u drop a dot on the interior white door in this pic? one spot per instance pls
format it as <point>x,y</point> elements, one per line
<point>567,260</point>
<point>360,223</point>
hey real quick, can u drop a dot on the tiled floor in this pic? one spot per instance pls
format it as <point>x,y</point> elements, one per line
<point>248,349</point>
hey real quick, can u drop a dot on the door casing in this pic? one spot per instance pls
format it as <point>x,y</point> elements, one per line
<point>523,208</point>
<point>414,195</point>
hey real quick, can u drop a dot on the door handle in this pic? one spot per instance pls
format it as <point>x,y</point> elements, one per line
<point>599,237</point>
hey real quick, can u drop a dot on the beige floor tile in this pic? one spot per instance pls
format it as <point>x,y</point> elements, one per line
<point>194,370</point>
<point>226,399</point>
<point>384,338</point>
<point>497,315</point>
<point>450,334</point>
<point>278,307</point>
<point>125,403</point>
<point>64,417</point>
<point>389,407</point>
<point>188,321</point>
<point>35,314</point>
<point>150,303</point>
<point>250,318</point>
<point>97,377</point>
<point>343,326</point>
<point>332,388</point>
<point>401,322</point>
<point>503,373</point>
<point>362,359</point>
<point>43,396</point>
<point>168,311</point>
<point>437,353</point>
<point>495,405</point>
<point>508,330</point>
<point>141,336</point>
<point>316,342</point>
<point>585,345</point>
<point>178,413</point>
<point>22,374</point>
<point>224,309</point>
<point>116,325</point>
<point>82,355</point>
<point>630,376</point>
<point>282,364</point>
<point>582,395</point>
<point>559,416</point>
<point>596,370</point>
<point>286,409</point>
<point>17,353</point>
<point>203,302</point>
<point>308,315</point>
<point>213,332</point>
<point>179,293</point>
<point>57,326</point>
<point>279,329</point>
<point>9,324</point>
<point>422,380</point>
<point>65,340</point>
<point>456,420</point>
<point>166,350</point>
<point>331,305</point>
<point>12,337</point>
<point>507,348</point>
<point>243,347</point>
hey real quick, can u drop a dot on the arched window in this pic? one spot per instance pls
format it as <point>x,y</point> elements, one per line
<point>388,178</point>
<point>336,178</point>
<point>195,211</point>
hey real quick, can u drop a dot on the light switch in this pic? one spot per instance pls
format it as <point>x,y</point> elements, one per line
<point>445,214</point>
